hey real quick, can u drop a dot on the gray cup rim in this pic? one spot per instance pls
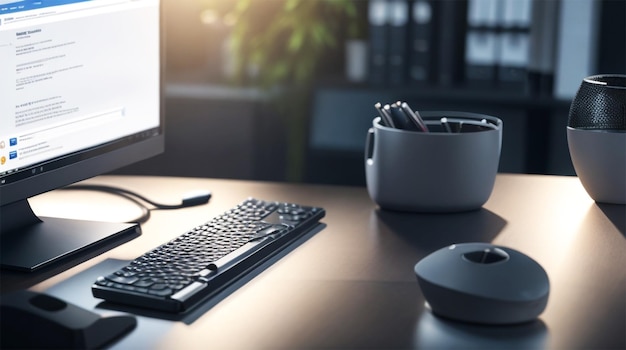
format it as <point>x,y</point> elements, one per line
<point>433,116</point>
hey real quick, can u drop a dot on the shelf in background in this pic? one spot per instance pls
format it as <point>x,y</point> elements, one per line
<point>534,138</point>
<point>501,95</point>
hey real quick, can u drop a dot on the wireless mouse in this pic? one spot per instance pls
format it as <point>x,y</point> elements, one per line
<point>37,320</point>
<point>483,283</point>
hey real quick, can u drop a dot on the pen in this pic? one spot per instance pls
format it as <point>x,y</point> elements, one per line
<point>444,123</point>
<point>415,116</point>
<point>459,126</point>
<point>396,122</point>
<point>384,115</point>
<point>401,120</point>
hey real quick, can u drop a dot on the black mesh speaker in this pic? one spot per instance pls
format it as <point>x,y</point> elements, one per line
<point>600,103</point>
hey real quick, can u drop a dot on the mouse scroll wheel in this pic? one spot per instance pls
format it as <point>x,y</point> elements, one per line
<point>486,256</point>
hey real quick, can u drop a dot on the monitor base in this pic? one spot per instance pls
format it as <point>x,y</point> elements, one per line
<point>43,241</point>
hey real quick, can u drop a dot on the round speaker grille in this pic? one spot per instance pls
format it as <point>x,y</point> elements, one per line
<point>600,103</point>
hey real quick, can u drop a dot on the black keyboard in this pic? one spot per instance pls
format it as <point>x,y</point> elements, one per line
<point>177,275</point>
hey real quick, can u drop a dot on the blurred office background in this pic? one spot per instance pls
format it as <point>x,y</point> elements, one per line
<point>283,90</point>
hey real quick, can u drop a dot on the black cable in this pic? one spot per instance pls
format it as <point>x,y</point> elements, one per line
<point>189,201</point>
<point>145,211</point>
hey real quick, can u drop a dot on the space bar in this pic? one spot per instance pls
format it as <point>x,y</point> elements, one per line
<point>235,256</point>
<point>215,268</point>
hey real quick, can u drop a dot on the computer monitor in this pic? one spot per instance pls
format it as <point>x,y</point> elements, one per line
<point>80,95</point>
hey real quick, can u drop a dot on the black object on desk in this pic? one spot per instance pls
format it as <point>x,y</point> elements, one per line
<point>483,283</point>
<point>37,320</point>
<point>181,273</point>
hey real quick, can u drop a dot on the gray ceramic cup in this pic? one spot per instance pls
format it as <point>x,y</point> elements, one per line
<point>435,171</point>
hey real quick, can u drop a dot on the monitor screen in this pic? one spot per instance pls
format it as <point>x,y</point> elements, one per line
<point>80,95</point>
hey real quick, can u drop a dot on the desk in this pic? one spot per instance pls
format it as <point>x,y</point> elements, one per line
<point>350,284</point>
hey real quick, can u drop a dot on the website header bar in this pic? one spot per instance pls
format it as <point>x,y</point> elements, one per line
<point>26,5</point>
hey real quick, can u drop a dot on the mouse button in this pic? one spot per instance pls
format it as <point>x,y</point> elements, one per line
<point>532,280</point>
<point>443,271</point>
<point>520,279</point>
<point>437,266</point>
<point>47,303</point>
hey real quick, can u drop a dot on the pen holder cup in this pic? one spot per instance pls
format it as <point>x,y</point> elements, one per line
<point>442,170</point>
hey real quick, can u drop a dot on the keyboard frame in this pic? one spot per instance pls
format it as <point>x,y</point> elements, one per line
<point>265,249</point>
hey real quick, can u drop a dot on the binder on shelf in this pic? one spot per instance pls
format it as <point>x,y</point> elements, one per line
<point>398,12</point>
<point>422,45</point>
<point>452,24</point>
<point>513,58</point>
<point>378,40</point>
<point>481,42</point>
<point>576,46</point>
<point>514,42</point>
<point>542,46</point>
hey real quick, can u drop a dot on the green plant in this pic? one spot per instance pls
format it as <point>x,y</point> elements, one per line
<point>283,41</point>
<point>279,45</point>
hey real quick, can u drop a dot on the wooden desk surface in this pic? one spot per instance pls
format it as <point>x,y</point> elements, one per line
<point>351,283</point>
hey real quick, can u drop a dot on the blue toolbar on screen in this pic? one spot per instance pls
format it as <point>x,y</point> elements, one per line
<point>18,6</point>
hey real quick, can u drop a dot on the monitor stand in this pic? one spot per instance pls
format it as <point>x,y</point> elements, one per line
<point>28,242</point>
